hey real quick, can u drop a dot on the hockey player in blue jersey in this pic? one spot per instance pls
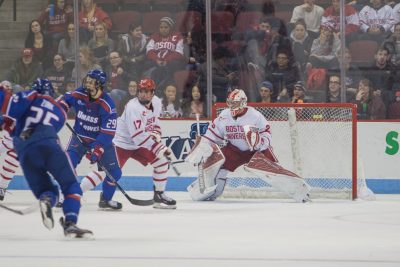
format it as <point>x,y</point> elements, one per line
<point>95,123</point>
<point>33,119</point>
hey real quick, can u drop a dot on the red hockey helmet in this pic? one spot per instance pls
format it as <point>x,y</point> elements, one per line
<point>237,102</point>
<point>147,84</point>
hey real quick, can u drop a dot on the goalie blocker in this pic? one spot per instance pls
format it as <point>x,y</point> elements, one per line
<point>214,163</point>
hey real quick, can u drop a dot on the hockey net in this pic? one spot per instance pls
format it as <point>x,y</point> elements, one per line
<point>316,141</point>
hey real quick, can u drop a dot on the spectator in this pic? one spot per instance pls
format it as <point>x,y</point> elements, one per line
<point>352,22</point>
<point>164,53</point>
<point>132,92</point>
<point>311,14</point>
<point>299,93</point>
<point>376,20</point>
<point>381,73</point>
<point>335,90</point>
<point>396,14</point>
<point>194,104</point>
<point>194,49</point>
<point>394,107</point>
<point>119,74</point>
<point>224,74</point>
<point>87,62</point>
<point>283,74</point>
<point>277,41</point>
<point>7,86</point>
<point>171,104</point>
<point>69,85</point>
<point>66,47</point>
<point>100,44</point>
<point>132,47</point>
<point>54,25</point>
<point>89,16</point>
<point>39,43</point>
<point>392,44</point>
<point>301,43</point>
<point>58,74</point>
<point>353,73</point>
<point>323,49</point>
<point>265,91</point>
<point>24,71</point>
<point>369,104</point>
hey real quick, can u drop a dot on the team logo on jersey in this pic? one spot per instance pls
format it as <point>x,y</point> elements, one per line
<point>80,103</point>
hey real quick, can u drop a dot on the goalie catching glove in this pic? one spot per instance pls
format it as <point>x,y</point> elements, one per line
<point>252,137</point>
<point>95,154</point>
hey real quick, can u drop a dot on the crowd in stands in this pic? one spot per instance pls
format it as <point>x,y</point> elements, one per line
<point>277,51</point>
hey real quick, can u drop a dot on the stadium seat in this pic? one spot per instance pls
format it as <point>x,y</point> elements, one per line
<point>122,19</point>
<point>188,20</point>
<point>284,15</point>
<point>167,5</point>
<point>247,20</point>
<point>363,51</point>
<point>138,5</point>
<point>107,5</point>
<point>182,78</point>
<point>151,21</point>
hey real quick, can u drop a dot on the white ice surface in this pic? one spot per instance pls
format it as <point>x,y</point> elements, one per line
<point>223,233</point>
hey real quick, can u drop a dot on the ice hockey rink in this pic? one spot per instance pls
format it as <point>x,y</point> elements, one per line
<point>229,232</point>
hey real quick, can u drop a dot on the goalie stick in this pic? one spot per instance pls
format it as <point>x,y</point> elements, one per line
<point>134,201</point>
<point>202,185</point>
<point>24,211</point>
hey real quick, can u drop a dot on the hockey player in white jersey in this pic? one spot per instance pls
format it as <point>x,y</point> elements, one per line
<point>247,138</point>
<point>138,136</point>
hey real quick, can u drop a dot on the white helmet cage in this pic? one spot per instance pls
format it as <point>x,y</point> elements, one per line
<point>236,101</point>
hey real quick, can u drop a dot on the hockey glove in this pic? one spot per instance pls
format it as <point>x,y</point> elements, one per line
<point>95,154</point>
<point>156,136</point>
<point>7,124</point>
<point>252,137</point>
<point>160,150</point>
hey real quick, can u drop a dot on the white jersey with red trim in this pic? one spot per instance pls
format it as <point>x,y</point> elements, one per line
<point>136,124</point>
<point>225,127</point>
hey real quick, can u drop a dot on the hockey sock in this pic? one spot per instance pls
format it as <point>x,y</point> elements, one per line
<point>72,202</point>
<point>93,179</point>
<point>108,186</point>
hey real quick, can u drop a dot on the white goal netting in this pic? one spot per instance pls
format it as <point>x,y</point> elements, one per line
<point>316,141</point>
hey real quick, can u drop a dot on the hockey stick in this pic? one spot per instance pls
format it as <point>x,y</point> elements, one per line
<point>24,211</point>
<point>178,173</point>
<point>138,202</point>
<point>202,185</point>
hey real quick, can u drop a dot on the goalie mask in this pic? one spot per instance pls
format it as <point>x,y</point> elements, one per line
<point>146,89</point>
<point>237,102</point>
<point>94,83</point>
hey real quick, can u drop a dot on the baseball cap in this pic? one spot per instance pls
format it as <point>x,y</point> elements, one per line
<point>300,85</point>
<point>27,52</point>
<point>267,84</point>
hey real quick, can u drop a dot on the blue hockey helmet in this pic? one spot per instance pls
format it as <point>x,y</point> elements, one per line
<point>99,75</point>
<point>43,87</point>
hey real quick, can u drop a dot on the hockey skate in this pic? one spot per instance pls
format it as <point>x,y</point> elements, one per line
<point>73,231</point>
<point>47,213</point>
<point>2,193</point>
<point>109,205</point>
<point>162,201</point>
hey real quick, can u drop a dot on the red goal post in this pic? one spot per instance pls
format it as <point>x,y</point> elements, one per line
<point>318,141</point>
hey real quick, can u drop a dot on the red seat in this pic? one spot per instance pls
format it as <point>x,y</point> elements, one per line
<point>284,15</point>
<point>122,19</point>
<point>151,21</point>
<point>138,5</point>
<point>248,20</point>
<point>363,51</point>
<point>188,20</point>
<point>107,5</point>
<point>222,22</point>
<point>182,78</point>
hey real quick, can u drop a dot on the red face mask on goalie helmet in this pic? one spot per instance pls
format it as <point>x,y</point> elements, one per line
<point>237,102</point>
<point>146,89</point>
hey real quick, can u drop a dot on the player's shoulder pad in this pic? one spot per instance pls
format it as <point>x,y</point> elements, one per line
<point>224,114</point>
<point>28,94</point>
<point>107,103</point>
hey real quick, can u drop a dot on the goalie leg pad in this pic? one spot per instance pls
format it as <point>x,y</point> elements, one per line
<point>202,149</point>
<point>280,178</point>
<point>211,167</point>
<point>210,193</point>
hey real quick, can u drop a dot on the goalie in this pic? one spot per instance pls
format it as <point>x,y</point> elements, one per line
<point>247,138</point>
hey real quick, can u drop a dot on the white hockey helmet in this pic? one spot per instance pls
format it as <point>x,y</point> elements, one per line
<point>237,102</point>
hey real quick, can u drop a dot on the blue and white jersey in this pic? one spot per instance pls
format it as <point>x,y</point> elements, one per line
<point>96,121</point>
<point>29,109</point>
